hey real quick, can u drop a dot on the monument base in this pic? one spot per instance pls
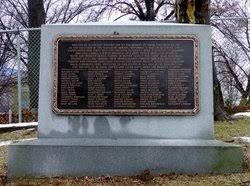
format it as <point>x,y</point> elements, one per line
<point>125,157</point>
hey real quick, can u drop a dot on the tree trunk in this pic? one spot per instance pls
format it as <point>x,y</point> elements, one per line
<point>197,12</point>
<point>219,112</point>
<point>36,19</point>
<point>150,14</point>
<point>245,99</point>
<point>192,11</point>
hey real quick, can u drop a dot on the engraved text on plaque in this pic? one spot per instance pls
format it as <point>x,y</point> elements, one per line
<point>126,75</point>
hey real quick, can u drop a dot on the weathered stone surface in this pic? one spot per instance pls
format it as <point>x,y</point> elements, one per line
<point>96,157</point>
<point>199,126</point>
<point>124,145</point>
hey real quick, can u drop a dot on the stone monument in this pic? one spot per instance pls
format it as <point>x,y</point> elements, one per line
<point>119,98</point>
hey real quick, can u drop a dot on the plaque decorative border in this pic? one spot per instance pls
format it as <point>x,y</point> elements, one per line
<point>118,112</point>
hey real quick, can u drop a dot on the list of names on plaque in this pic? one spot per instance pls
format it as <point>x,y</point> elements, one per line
<point>125,74</point>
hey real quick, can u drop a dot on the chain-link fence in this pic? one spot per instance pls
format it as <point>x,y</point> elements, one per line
<point>20,54</point>
<point>19,74</point>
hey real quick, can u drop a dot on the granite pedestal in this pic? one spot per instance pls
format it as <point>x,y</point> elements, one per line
<point>124,145</point>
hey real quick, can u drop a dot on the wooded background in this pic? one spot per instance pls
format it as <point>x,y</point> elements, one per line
<point>231,41</point>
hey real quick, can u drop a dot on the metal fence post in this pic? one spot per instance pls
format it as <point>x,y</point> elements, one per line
<point>10,116</point>
<point>19,79</point>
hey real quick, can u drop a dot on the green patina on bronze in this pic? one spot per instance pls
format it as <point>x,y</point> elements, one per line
<point>192,11</point>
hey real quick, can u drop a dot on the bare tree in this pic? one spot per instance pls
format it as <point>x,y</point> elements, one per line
<point>143,10</point>
<point>66,11</point>
<point>193,11</point>
<point>14,13</point>
<point>219,112</point>
<point>36,17</point>
<point>54,11</point>
<point>36,13</point>
<point>197,11</point>
<point>32,14</point>
<point>7,71</point>
<point>232,46</point>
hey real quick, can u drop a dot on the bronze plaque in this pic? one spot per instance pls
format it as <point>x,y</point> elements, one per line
<point>126,75</point>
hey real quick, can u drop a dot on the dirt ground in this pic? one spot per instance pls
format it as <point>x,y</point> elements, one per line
<point>242,179</point>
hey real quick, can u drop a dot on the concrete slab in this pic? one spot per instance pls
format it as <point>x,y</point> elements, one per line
<point>18,125</point>
<point>96,157</point>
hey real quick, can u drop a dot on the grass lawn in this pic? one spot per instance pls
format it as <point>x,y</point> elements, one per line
<point>18,134</point>
<point>225,131</point>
